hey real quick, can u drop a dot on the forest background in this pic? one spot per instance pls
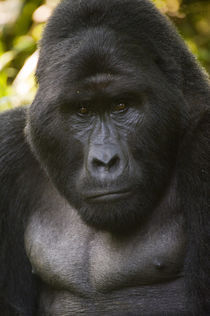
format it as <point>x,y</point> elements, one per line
<point>21,26</point>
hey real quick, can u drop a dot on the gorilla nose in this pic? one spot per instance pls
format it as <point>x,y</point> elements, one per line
<point>105,159</point>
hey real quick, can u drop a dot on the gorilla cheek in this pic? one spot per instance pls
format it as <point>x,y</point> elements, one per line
<point>61,156</point>
<point>65,170</point>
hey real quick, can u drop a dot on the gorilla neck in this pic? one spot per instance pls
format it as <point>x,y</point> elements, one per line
<point>84,261</point>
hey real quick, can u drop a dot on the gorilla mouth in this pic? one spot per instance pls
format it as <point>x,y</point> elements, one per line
<point>108,196</point>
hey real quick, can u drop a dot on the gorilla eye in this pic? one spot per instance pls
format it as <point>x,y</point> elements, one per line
<point>83,110</point>
<point>121,107</point>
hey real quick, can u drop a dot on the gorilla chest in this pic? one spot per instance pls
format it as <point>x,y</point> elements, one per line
<point>67,254</point>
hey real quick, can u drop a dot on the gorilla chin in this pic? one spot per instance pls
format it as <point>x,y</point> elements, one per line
<point>114,211</point>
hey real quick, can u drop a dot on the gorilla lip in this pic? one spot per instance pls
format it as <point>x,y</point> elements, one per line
<point>113,195</point>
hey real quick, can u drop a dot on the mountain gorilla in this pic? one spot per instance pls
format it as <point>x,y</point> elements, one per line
<point>104,178</point>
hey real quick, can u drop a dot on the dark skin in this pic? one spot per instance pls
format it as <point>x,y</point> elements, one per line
<point>104,178</point>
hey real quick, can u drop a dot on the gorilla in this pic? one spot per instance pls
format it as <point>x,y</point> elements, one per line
<point>104,194</point>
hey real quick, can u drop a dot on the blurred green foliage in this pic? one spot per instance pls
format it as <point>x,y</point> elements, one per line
<point>21,25</point>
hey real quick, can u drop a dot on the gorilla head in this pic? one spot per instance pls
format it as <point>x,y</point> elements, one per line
<point>109,113</point>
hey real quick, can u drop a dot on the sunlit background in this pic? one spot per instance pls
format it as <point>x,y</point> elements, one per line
<point>22,22</point>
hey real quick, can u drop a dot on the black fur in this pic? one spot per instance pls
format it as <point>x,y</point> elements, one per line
<point>22,167</point>
<point>18,286</point>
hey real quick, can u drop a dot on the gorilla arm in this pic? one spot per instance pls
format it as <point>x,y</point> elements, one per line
<point>193,186</point>
<point>17,285</point>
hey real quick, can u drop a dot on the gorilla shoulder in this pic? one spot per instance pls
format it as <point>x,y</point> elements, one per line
<point>19,171</point>
<point>15,154</point>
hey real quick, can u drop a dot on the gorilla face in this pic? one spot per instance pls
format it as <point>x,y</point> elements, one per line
<point>106,130</point>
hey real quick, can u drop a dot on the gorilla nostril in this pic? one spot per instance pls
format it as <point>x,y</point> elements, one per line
<point>113,162</point>
<point>98,163</point>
